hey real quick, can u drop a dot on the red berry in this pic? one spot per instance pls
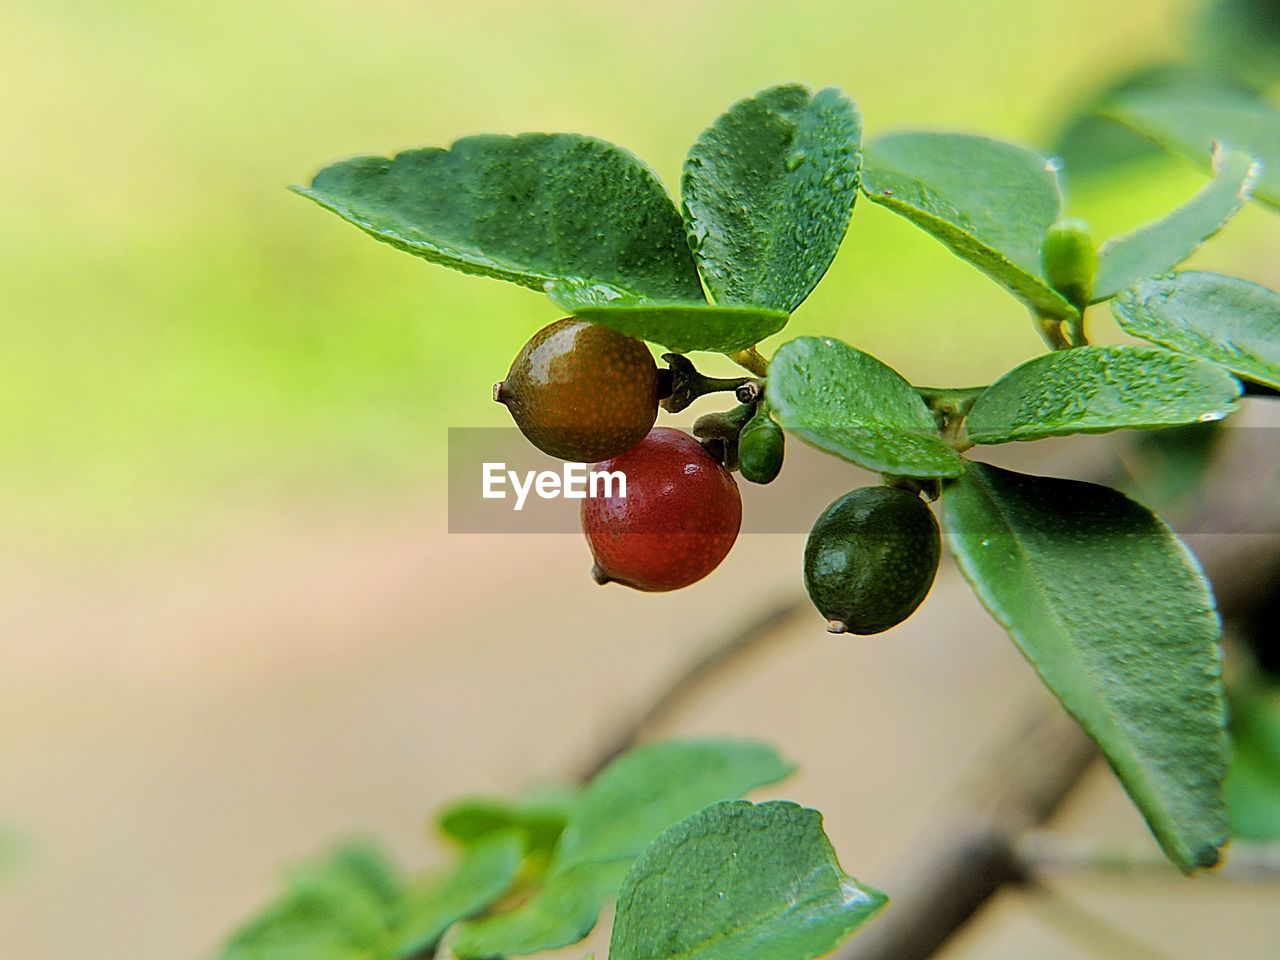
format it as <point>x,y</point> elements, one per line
<point>678,520</point>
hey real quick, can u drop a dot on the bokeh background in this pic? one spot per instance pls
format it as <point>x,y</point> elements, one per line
<point>233,626</point>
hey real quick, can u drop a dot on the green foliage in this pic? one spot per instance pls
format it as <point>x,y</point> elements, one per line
<point>336,909</point>
<point>1230,321</point>
<point>990,202</point>
<point>485,872</point>
<point>540,816</point>
<point>1168,466</point>
<point>736,882</point>
<point>1159,247</point>
<point>528,209</point>
<point>680,327</point>
<point>767,193</point>
<point>560,912</point>
<point>1253,779</point>
<point>1188,121</point>
<point>644,792</point>
<point>848,403</point>
<point>1095,590</point>
<point>1099,388</point>
<point>1117,619</point>
<point>619,814</point>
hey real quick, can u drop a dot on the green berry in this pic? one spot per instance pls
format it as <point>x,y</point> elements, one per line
<point>1070,260</point>
<point>871,559</point>
<point>761,445</point>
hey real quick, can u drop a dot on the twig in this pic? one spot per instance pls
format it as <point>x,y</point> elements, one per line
<point>719,656</point>
<point>1096,934</point>
<point>971,854</point>
<point>1047,854</point>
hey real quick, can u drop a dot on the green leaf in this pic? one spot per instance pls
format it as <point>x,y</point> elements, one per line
<point>1190,123</point>
<point>1116,617</point>
<point>735,882</point>
<point>485,872</point>
<point>680,327</point>
<point>1229,321</point>
<point>561,912</point>
<point>539,816</point>
<point>334,910</point>
<point>1163,468</point>
<point>990,202</point>
<point>633,800</point>
<point>1099,388</point>
<point>767,194</point>
<point>1253,779</point>
<point>848,403</point>
<point>645,791</point>
<point>529,209</point>
<point>1159,247</point>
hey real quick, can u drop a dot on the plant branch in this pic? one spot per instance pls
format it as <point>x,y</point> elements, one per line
<point>685,384</point>
<point>718,657</point>
<point>1048,854</point>
<point>1050,329</point>
<point>751,360</point>
<point>1096,934</point>
<point>971,853</point>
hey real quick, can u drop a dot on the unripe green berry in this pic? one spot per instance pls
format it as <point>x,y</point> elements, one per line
<point>1070,260</point>
<point>761,445</point>
<point>871,559</point>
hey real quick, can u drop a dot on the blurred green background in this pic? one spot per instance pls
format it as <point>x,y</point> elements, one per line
<point>182,335</point>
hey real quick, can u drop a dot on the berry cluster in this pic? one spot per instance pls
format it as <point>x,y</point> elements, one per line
<point>585,393</point>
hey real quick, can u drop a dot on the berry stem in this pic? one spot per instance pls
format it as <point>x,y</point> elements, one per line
<point>1051,332</point>
<point>687,384</point>
<point>751,359</point>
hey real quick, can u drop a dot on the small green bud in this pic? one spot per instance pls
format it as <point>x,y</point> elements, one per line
<point>1070,260</point>
<point>760,448</point>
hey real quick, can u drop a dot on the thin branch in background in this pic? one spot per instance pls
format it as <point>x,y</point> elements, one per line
<point>970,854</point>
<point>1046,854</point>
<point>720,656</point>
<point>1085,928</point>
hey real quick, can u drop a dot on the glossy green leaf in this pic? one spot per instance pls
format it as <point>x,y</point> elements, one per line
<point>563,911</point>
<point>681,327</point>
<point>767,194</point>
<point>1116,617</point>
<point>539,816</point>
<point>485,872</point>
<point>529,209</point>
<point>990,202</point>
<point>334,910</point>
<point>1099,388</point>
<point>1159,247</point>
<point>1230,321</point>
<point>738,882</point>
<point>633,800</point>
<point>646,790</point>
<point>1190,124</point>
<point>847,402</point>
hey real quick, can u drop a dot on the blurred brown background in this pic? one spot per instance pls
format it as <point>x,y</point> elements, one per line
<point>232,625</point>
